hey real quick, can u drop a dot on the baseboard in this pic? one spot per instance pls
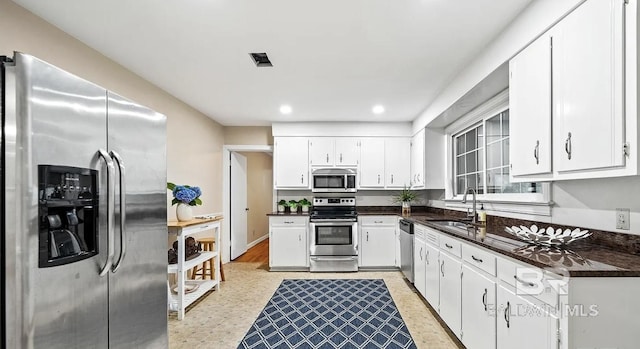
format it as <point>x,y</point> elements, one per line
<point>257,241</point>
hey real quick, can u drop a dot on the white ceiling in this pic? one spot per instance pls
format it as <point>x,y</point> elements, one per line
<point>333,59</point>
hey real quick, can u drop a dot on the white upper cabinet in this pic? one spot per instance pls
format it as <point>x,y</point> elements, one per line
<point>291,162</point>
<point>330,151</point>
<point>347,152</point>
<point>371,162</point>
<point>568,95</point>
<point>588,87</point>
<point>417,179</point>
<point>530,109</point>
<point>397,162</point>
<point>321,151</point>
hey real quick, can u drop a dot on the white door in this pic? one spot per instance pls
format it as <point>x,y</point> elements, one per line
<point>530,109</point>
<point>588,87</point>
<point>376,248</point>
<point>347,151</point>
<point>450,292</point>
<point>372,163</point>
<point>419,263</point>
<point>291,162</point>
<point>432,276</point>
<point>478,310</point>
<point>238,205</point>
<point>397,162</point>
<point>321,151</point>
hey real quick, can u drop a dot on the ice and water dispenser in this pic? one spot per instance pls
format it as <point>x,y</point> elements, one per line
<point>68,214</point>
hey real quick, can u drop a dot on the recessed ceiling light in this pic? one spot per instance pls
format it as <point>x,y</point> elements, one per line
<point>378,109</point>
<point>285,109</point>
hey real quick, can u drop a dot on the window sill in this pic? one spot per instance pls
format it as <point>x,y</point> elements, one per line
<point>528,208</point>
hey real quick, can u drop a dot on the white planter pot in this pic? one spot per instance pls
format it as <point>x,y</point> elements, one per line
<point>183,212</point>
<point>305,209</point>
<point>281,208</point>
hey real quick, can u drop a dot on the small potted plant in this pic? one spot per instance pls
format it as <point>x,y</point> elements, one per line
<point>406,196</point>
<point>293,206</point>
<point>304,203</point>
<point>281,205</point>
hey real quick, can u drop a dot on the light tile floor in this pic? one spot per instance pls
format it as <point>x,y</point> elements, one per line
<point>221,319</point>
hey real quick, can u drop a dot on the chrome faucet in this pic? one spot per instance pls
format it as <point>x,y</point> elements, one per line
<point>473,214</point>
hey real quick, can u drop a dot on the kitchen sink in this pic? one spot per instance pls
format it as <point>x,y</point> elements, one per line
<point>452,224</point>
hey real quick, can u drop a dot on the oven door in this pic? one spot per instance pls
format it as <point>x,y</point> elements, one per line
<point>334,238</point>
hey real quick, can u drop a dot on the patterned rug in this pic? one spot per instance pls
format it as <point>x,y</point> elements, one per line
<point>329,314</point>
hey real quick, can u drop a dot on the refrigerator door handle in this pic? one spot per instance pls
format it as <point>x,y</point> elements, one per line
<point>123,206</point>
<point>110,210</point>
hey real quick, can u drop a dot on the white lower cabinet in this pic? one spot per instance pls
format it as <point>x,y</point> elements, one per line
<point>523,324</point>
<point>419,262</point>
<point>450,291</point>
<point>432,275</point>
<point>288,244</point>
<point>378,241</point>
<point>478,309</point>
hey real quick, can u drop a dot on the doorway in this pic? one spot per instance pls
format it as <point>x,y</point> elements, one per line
<point>248,197</point>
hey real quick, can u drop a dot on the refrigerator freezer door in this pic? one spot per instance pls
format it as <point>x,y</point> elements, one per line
<point>138,281</point>
<point>61,120</point>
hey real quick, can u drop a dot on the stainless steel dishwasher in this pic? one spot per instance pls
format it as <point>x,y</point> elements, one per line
<point>406,249</point>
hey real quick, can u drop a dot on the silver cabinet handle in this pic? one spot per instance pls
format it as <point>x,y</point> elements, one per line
<point>302,178</point>
<point>426,257</point>
<point>536,152</point>
<point>476,259</point>
<point>391,179</point>
<point>378,179</point>
<point>418,178</point>
<point>123,209</point>
<point>299,237</point>
<point>442,268</point>
<point>377,222</point>
<point>111,206</point>
<point>530,284</point>
<point>484,299</point>
<point>340,157</point>
<point>506,314</point>
<point>448,246</point>
<point>288,222</point>
<point>367,236</point>
<point>327,158</point>
<point>420,253</point>
<point>567,146</point>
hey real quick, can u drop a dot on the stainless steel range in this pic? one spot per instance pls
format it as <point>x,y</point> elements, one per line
<point>334,235</point>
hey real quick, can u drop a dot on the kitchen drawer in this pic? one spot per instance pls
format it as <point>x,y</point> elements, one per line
<point>378,220</point>
<point>419,232</point>
<point>451,245</point>
<point>479,258</point>
<point>431,236</point>
<point>288,221</point>
<point>528,281</point>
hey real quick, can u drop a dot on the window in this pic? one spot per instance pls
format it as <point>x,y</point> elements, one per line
<point>487,139</point>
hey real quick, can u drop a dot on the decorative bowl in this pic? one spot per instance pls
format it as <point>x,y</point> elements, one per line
<point>549,237</point>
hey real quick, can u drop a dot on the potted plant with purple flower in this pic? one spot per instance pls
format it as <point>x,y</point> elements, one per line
<point>185,196</point>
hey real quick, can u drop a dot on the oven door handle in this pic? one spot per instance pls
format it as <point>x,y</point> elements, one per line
<point>332,221</point>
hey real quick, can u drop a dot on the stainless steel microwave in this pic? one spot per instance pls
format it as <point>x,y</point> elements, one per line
<point>333,180</point>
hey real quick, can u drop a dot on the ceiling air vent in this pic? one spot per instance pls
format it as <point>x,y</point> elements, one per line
<point>261,59</point>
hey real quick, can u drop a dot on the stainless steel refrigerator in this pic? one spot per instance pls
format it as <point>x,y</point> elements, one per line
<point>83,197</point>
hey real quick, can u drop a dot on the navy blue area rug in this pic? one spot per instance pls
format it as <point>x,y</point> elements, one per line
<point>329,314</point>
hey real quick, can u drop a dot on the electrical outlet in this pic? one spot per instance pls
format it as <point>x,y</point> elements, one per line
<point>622,218</point>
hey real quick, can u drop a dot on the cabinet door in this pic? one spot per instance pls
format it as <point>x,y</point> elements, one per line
<point>450,290</point>
<point>417,160</point>
<point>321,150</point>
<point>291,162</point>
<point>530,109</point>
<point>347,151</point>
<point>288,247</point>
<point>419,265</point>
<point>432,273</point>
<point>517,321</point>
<point>397,158</point>
<point>378,247</point>
<point>588,87</point>
<point>478,310</point>
<point>372,163</point>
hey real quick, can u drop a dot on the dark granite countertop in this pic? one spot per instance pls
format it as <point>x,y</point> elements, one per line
<point>580,259</point>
